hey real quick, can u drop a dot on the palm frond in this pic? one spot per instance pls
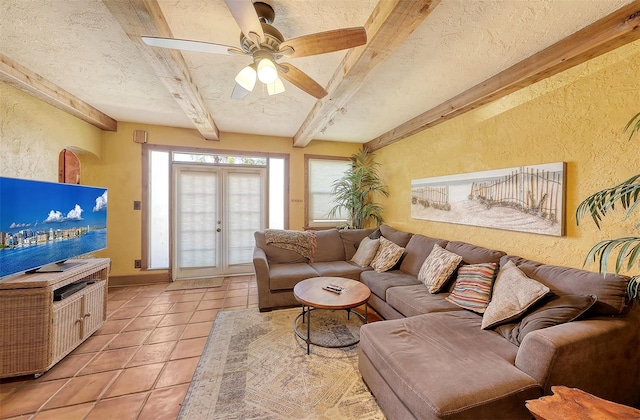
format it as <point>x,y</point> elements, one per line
<point>355,191</point>
<point>627,249</point>
<point>634,124</point>
<point>633,288</point>
<point>627,193</point>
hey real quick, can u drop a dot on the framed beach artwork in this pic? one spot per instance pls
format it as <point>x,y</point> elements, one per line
<point>525,199</point>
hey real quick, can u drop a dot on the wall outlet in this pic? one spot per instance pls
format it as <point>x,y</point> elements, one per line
<point>137,263</point>
<point>136,205</point>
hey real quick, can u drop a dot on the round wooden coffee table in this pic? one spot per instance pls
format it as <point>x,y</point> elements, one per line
<point>312,294</point>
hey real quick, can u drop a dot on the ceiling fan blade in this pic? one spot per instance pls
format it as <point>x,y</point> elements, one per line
<point>246,16</point>
<point>300,79</point>
<point>187,45</point>
<point>324,42</point>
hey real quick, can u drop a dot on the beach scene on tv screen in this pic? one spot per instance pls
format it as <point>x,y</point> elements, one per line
<point>42,223</point>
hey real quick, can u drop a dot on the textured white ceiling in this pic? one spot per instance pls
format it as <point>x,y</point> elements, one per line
<point>79,46</point>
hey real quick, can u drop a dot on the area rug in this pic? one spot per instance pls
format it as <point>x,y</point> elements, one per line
<point>255,367</point>
<point>195,284</point>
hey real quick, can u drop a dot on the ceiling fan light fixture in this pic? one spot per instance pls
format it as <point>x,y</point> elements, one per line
<point>247,78</point>
<point>275,87</point>
<point>267,72</point>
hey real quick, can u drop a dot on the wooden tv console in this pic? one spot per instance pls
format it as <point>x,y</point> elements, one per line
<point>36,332</point>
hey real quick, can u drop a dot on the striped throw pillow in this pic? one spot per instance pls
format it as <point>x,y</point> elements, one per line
<point>472,290</point>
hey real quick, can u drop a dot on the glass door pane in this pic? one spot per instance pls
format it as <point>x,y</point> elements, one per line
<point>244,205</point>
<point>197,222</point>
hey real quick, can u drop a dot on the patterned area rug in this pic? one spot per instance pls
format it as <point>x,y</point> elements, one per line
<point>195,283</point>
<point>254,366</point>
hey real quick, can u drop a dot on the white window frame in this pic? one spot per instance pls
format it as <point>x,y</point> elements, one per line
<point>312,188</point>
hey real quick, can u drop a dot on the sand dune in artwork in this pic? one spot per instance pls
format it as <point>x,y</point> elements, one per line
<point>471,212</point>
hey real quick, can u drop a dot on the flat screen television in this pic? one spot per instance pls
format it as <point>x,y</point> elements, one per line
<point>43,224</point>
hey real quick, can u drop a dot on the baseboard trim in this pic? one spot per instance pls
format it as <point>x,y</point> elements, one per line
<point>139,279</point>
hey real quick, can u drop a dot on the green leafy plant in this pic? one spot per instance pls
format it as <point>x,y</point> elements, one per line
<point>627,195</point>
<point>355,191</point>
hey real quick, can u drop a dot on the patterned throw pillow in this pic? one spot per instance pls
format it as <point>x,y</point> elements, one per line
<point>366,251</point>
<point>513,294</point>
<point>387,256</point>
<point>473,286</point>
<point>438,267</point>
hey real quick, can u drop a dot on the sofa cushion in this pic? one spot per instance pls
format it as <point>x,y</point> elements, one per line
<point>275,254</point>
<point>611,289</point>
<point>285,276</point>
<point>387,255</point>
<point>416,251</point>
<point>380,282</point>
<point>329,246</point>
<point>473,254</point>
<point>338,269</point>
<point>443,365</point>
<point>416,300</point>
<point>398,237</point>
<point>366,251</point>
<point>473,285</point>
<point>351,239</point>
<point>513,294</point>
<point>554,310</point>
<point>437,268</point>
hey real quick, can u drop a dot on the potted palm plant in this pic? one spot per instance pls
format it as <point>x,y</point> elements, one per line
<point>627,249</point>
<point>356,190</point>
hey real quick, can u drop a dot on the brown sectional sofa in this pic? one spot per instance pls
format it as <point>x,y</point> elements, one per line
<point>431,359</point>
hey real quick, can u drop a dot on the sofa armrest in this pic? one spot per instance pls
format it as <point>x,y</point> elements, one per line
<point>598,355</point>
<point>261,269</point>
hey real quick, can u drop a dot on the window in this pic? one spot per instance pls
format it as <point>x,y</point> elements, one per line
<point>322,172</point>
<point>158,210</point>
<point>277,193</point>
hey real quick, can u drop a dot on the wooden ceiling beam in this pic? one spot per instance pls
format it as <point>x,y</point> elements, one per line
<point>22,78</point>
<point>389,25</point>
<point>613,31</point>
<point>145,18</point>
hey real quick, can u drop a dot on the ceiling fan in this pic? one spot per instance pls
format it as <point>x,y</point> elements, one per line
<point>266,45</point>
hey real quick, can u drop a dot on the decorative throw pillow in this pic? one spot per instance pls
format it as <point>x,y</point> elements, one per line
<point>513,294</point>
<point>387,255</point>
<point>550,312</point>
<point>473,286</point>
<point>437,268</point>
<point>366,251</point>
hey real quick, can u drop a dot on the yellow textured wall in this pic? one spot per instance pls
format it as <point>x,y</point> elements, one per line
<point>120,170</point>
<point>32,134</point>
<point>576,117</point>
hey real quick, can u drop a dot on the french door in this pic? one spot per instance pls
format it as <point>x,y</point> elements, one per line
<point>216,211</point>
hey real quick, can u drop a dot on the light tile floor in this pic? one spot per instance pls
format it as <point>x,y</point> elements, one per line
<point>138,365</point>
